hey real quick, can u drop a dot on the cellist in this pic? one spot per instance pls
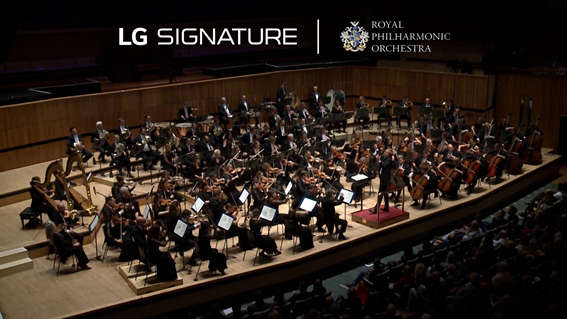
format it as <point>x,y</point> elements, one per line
<point>431,187</point>
<point>450,172</point>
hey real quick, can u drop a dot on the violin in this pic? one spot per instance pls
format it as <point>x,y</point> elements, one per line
<point>164,202</point>
<point>120,220</point>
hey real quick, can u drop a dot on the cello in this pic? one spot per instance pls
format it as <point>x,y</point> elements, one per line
<point>532,154</point>
<point>448,175</point>
<point>421,183</point>
<point>515,162</point>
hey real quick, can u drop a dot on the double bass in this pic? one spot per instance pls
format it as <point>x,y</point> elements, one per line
<point>532,154</point>
<point>515,162</point>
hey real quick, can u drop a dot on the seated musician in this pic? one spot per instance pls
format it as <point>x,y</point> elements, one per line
<point>131,206</point>
<point>303,111</point>
<point>333,175</point>
<point>249,137</point>
<point>68,245</point>
<point>258,194</point>
<point>303,141</point>
<point>185,113</point>
<point>157,238</point>
<point>38,204</point>
<point>387,115</point>
<point>338,109</point>
<point>186,148</point>
<point>377,149</point>
<point>111,227</point>
<point>205,144</point>
<point>452,165</point>
<point>217,159</point>
<point>315,194</point>
<point>404,105</point>
<point>264,135</point>
<point>167,188</point>
<point>151,130</point>
<point>432,182</point>
<point>75,143</point>
<point>244,106</point>
<point>458,131</point>
<point>276,199</point>
<point>118,185</point>
<point>321,110</point>
<point>361,104</point>
<point>138,235</point>
<point>264,242</point>
<point>238,228</point>
<point>146,141</point>
<point>489,157</point>
<point>231,177</point>
<point>426,128</point>
<point>404,167</point>
<point>271,148</point>
<point>195,170</point>
<point>301,228</point>
<point>216,205</point>
<point>160,207</point>
<point>280,132</point>
<point>453,118</point>
<point>290,144</point>
<point>98,134</point>
<point>225,112</point>
<point>332,219</point>
<point>216,134</point>
<point>123,132</point>
<point>119,154</point>
<point>273,119</point>
<point>217,261</point>
<point>289,116</point>
<point>64,215</point>
<point>427,108</point>
<point>167,159</point>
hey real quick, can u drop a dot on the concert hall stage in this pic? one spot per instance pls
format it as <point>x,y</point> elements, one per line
<point>382,219</point>
<point>102,292</point>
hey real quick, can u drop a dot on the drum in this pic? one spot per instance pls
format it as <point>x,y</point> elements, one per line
<point>205,126</point>
<point>162,126</point>
<point>182,128</point>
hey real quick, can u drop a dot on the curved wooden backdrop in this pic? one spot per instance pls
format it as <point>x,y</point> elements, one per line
<point>549,94</point>
<point>43,121</point>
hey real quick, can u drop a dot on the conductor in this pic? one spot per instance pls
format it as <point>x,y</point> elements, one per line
<point>385,174</point>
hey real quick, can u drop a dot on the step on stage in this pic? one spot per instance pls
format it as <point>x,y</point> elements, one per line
<point>382,219</point>
<point>106,291</point>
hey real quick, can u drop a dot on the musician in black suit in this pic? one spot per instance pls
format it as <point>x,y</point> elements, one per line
<point>185,113</point>
<point>280,97</point>
<point>387,115</point>
<point>359,105</point>
<point>288,115</point>
<point>248,137</point>
<point>63,241</point>
<point>98,134</point>
<point>315,96</point>
<point>205,145</point>
<point>330,215</point>
<point>120,160</point>
<point>280,132</point>
<point>321,110</point>
<point>244,106</point>
<point>303,112</point>
<point>122,127</point>
<point>426,128</point>
<point>404,105</point>
<point>224,112</point>
<point>290,144</point>
<point>273,119</point>
<point>385,175</point>
<point>74,140</point>
<point>147,151</point>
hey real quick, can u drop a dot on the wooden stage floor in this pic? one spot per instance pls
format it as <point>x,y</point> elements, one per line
<point>102,291</point>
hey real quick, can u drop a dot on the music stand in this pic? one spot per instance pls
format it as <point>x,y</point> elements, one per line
<point>180,230</point>
<point>308,204</point>
<point>198,205</point>
<point>161,143</point>
<point>359,178</point>
<point>399,182</point>
<point>224,223</point>
<point>348,196</point>
<point>425,110</point>
<point>92,227</point>
<point>135,152</point>
<point>201,118</point>
<point>206,155</point>
<point>287,153</point>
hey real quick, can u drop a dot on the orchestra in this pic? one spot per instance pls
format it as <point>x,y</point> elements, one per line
<point>290,158</point>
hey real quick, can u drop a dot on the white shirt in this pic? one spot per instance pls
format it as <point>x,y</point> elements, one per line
<point>317,96</point>
<point>292,144</point>
<point>226,109</point>
<point>282,129</point>
<point>76,140</point>
<point>186,112</point>
<point>245,105</point>
<point>305,128</point>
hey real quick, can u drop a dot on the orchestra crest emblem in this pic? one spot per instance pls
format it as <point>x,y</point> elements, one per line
<point>354,38</point>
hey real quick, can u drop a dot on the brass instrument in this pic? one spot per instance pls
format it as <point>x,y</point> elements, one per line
<point>103,135</point>
<point>365,105</point>
<point>119,151</point>
<point>79,147</point>
<point>125,134</point>
<point>295,100</point>
<point>444,108</point>
<point>389,102</point>
<point>194,140</point>
<point>150,127</point>
<point>217,131</point>
<point>173,140</point>
<point>410,103</point>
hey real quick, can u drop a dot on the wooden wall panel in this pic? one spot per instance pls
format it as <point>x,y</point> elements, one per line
<point>46,120</point>
<point>549,101</point>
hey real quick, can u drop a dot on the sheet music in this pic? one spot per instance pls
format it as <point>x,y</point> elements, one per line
<point>268,213</point>
<point>308,204</point>
<point>288,188</point>
<point>359,177</point>
<point>180,228</point>
<point>225,222</point>
<point>348,195</point>
<point>198,205</point>
<point>243,195</point>
<point>150,192</point>
<point>93,223</point>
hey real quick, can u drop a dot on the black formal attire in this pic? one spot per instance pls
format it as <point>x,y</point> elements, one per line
<point>388,114</point>
<point>217,261</point>
<point>338,124</point>
<point>317,211</point>
<point>406,168</point>
<point>205,147</point>
<point>128,141</point>
<point>272,121</point>
<point>103,150</point>
<point>71,140</point>
<point>305,236</point>
<point>280,134</point>
<point>365,119</point>
<point>38,204</point>
<point>247,139</point>
<point>163,260</point>
<point>185,114</point>
<point>147,152</point>
<point>426,128</point>
<point>314,98</point>
<point>266,243</point>
<point>120,160</point>
<point>331,216</point>
<point>224,110</point>
<point>65,248</point>
<point>303,114</point>
<point>244,106</point>
<point>385,176</point>
<point>139,239</point>
<point>280,98</point>
<point>259,199</point>
<point>407,116</point>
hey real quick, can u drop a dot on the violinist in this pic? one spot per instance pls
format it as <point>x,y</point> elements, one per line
<point>217,261</point>
<point>351,151</point>
<point>266,243</point>
<point>160,207</point>
<point>131,206</point>
<point>119,184</point>
<point>217,159</point>
<point>338,109</point>
<point>295,216</point>
<point>216,205</point>
<point>259,194</point>
<point>111,228</point>
<point>167,188</point>
<point>231,176</point>
<point>302,185</point>
<point>228,146</point>
<point>66,246</point>
<point>168,160</point>
<point>238,230</point>
<point>332,219</point>
<point>333,173</point>
<point>275,200</point>
<point>385,163</point>
<point>315,194</point>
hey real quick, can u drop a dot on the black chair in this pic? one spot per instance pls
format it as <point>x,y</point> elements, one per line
<point>59,265</point>
<point>261,314</point>
<point>301,307</point>
<point>289,232</point>
<point>318,301</point>
<point>284,310</point>
<point>144,260</point>
<point>396,272</point>
<point>426,259</point>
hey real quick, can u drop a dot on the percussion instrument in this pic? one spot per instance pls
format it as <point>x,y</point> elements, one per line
<point>182,128</point>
